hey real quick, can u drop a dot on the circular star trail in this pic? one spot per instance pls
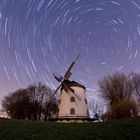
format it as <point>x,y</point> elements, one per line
<point>41,37</point>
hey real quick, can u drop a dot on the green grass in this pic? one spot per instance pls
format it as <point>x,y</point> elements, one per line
<point>127,129</point>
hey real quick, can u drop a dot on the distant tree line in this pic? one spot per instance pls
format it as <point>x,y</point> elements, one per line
<point>121,93</point>
<point>33,103</point>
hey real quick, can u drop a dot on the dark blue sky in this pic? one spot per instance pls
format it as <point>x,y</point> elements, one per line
<point>41,37</point>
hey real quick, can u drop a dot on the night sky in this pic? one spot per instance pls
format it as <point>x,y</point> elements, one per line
<point>41,37</point>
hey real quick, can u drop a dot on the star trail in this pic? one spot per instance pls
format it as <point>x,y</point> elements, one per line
<point>41,37</point>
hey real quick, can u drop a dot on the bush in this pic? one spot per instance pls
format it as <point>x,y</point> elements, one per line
<point>123,109</point>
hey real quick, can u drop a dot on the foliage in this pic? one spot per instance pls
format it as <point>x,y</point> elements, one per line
<point>123,109</point>
<point>30,103</point>
<point>16,104</point>
<point>118,90</point>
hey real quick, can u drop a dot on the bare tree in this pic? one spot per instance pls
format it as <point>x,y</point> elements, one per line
<point>96,109</point>
<point>50,108</point>
<point>115,88</point>
<point>30,103</point>
<point>135,79</point>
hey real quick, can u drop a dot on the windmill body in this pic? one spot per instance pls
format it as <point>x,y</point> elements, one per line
<point>73,102</point>
<point>73,105</point>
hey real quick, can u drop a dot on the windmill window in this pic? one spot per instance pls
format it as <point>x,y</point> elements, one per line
<point>86,101</point>
<point>72,99</point>
<point>59,101</point>
<point>72,111</point>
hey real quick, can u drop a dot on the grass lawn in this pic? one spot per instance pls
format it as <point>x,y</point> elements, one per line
<point>127,129</point>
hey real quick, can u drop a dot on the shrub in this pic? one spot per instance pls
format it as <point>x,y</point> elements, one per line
<point>123,109</point>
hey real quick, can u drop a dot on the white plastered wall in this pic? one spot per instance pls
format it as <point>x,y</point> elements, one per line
<point>80,106</point>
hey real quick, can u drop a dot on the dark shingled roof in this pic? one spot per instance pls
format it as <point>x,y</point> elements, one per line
<point>72,84</point>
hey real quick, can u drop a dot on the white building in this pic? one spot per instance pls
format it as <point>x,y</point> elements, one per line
<point>73,105</point>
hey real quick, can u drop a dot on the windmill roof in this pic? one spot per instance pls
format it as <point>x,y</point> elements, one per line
<point>73,83</point>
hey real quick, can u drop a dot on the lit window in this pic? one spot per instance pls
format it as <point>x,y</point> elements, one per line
<point>72,99</point>
<point>72,111</point>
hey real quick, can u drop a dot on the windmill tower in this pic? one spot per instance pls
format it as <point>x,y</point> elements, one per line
<point>73,102</point>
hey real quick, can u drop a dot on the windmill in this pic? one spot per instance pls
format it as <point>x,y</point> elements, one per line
<point>73,102</point>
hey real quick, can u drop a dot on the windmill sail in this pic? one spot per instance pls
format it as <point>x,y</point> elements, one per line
<point>68,73</point>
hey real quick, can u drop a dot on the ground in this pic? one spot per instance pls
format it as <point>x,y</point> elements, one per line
<point>126,129</point>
